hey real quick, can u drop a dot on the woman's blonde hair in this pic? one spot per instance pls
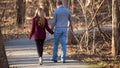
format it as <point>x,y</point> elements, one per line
<point>39,13</point>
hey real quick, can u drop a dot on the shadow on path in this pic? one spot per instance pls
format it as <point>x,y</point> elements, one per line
<point>22,54</point>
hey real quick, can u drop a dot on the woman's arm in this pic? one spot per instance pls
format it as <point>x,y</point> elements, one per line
<point>32,29</point>
<point>47,27</point>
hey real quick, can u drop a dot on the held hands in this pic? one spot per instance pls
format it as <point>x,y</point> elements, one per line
<point>29,38</point>
<point>52,33</point>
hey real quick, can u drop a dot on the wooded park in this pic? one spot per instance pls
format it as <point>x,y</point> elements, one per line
<point>94,38</point>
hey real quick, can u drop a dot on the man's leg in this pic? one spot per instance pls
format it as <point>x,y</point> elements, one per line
<point>63,41</point>
<point>56,42</point>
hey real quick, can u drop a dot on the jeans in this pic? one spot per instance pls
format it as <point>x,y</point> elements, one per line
<point>60,36</point>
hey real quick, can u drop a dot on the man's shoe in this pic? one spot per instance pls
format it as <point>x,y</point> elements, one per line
<point>55,61</point>
<point>63,62</point>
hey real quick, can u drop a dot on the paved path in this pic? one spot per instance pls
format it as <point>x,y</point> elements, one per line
<point>22,54</point>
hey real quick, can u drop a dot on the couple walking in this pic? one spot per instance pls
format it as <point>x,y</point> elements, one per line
<point>59,25</point>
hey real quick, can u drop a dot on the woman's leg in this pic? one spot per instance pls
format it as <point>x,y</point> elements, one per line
<point>39,45</point>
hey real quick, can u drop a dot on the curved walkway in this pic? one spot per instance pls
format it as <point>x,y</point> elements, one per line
<point>22,54</point>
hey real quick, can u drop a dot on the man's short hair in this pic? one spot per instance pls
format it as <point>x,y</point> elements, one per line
<point>59,2</point>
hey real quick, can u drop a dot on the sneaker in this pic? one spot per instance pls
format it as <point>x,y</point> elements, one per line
<point>40,61</point>
<point>55,61</point>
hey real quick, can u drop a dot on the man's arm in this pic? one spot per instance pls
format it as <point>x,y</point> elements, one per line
<point>54,21</point>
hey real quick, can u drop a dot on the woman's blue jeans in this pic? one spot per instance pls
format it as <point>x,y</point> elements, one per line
<point>60,36</point>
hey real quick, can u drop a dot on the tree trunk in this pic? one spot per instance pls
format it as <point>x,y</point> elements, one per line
<point>20,6</point>
<point>51,8</point>
<point>119,29</point>
<point>109,6</point>
<point>84,10</point>
<point>115,28</point>
<point>92,14</point>
<point>72,3</point>
<point>65,3</point>
<point>3,58</point>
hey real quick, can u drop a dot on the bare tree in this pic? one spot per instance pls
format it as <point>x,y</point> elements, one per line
<point>3,58</point>
<point>72,6</point>
<point>93,12</point>
<point>115,28</point>
<point>65,3</point>
<point>51,7</point>
<point>83,6</point>
<point>20,6</point>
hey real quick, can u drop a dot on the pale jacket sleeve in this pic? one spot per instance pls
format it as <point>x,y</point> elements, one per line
<point>70,18</point>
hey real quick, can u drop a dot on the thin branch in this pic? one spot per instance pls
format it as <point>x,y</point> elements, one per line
<point>95,26</point>
<point>94,18</point>
<point>96,13</point>
<point>2,15</point>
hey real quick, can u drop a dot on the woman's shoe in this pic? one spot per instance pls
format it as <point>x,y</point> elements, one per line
<point>40,61</point>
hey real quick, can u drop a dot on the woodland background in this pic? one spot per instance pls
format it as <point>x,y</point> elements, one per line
<point>98,42</point>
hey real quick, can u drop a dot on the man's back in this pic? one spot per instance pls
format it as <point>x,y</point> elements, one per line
<point>61,17</point>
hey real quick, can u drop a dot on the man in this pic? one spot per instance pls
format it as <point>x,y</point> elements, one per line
<point>61,21</point>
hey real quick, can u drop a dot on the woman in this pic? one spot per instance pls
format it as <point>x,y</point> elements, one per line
<point>39,25</point>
